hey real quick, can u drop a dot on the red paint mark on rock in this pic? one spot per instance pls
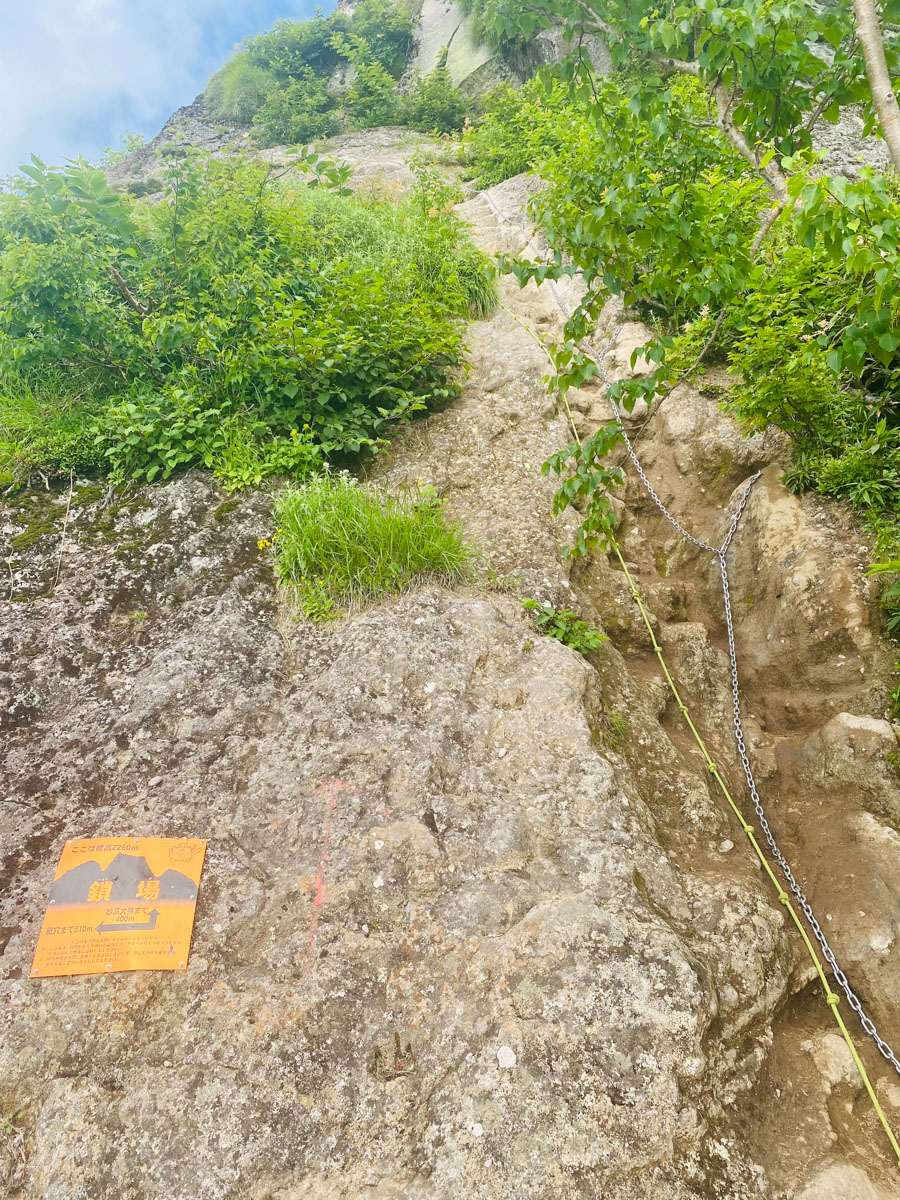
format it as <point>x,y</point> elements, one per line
<point>331,790</point>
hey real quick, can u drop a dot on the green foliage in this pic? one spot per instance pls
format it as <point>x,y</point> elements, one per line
<point>586,486</point>
<point>340,544</point>
<point>291,47</point>
<point>565,626</point>
<point>387,29</point>
<point>251,455</point>
<point>151,339</point>
<point>499,34</point>
<point>894,710</point>
<point>372,97</point>
<point>282,82</point>
<point>854,226</point>
<point>434,104</point>
<point>153,436</point>
<point>618,728</point>
<point>286,82</point>
<point>237,91</point>
<point>652,207</point>
<point>762,52</point>
<point>458,268</point>
<point>519,130</point>
<point>890,598</point>
<point>662,181</point>
<point>131,142</point>
<point>296,111</point>
<point>43,428</point>
<point>812,345</point>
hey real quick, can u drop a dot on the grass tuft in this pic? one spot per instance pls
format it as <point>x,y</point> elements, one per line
<point>340,545</point>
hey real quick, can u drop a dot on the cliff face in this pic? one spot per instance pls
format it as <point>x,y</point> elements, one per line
<point>473,922</point>
<point>441,25</point>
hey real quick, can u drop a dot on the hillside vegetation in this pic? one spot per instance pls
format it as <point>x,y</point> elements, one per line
<point>246,321</point>
<point>257,325</point>
<point>312,79</point>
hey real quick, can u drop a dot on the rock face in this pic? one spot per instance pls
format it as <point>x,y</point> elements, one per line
<point>412,834</point>
<point>472,923</point>
<point>441,26</point>
<point>843,1182</point>
<point>191,125</point>
<point>444,26</point>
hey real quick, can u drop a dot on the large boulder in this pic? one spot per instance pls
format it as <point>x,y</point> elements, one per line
<point>437,944</point>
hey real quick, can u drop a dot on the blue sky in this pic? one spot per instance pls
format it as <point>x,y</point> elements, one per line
<point>75,74</point>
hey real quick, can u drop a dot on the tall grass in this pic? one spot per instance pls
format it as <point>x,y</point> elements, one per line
<point>41,423</point>
<point>340,545</point>
<point>415,241</point>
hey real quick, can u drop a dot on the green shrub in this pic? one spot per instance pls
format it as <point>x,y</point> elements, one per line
<point>650,203</point>
<point>300,110</point>
<point>152,436</point>
<point>43,428</point>
<point>372,97</point>
<point>890,597</point>
<point>131,142</point>
<point>565,626</point>
<point>894,709</point>
<point>238,90</point>
<point>434,104</point>
<point>387,29</point>
<point>460,271</point>
<point>291,47</point>
<point>340,544</point>
<point>519,130</point>
<point>251,455</point>
<point>281,81</point>
<point>148,335</point>
<point>779,339</point>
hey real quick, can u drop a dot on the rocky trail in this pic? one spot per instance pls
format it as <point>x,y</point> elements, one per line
<point>473,921</point>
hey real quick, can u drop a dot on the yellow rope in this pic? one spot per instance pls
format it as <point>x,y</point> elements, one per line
<point>831,997</point>
<point>531,333</point>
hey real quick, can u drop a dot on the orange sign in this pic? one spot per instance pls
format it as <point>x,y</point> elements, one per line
<point>120,904</point>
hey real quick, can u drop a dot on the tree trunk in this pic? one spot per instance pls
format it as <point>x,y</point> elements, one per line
<point>887,109</point>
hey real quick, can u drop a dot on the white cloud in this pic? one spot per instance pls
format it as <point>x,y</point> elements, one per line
<point>74,74</point>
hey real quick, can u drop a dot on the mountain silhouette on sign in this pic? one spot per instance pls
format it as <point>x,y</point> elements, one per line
<point>125,871</point>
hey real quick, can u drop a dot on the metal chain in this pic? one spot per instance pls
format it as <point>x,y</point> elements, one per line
<point>827,953</point>
<point>636,462</point>
<point>720,554</point>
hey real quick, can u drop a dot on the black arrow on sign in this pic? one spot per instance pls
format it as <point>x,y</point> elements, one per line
<point>151,924</point>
